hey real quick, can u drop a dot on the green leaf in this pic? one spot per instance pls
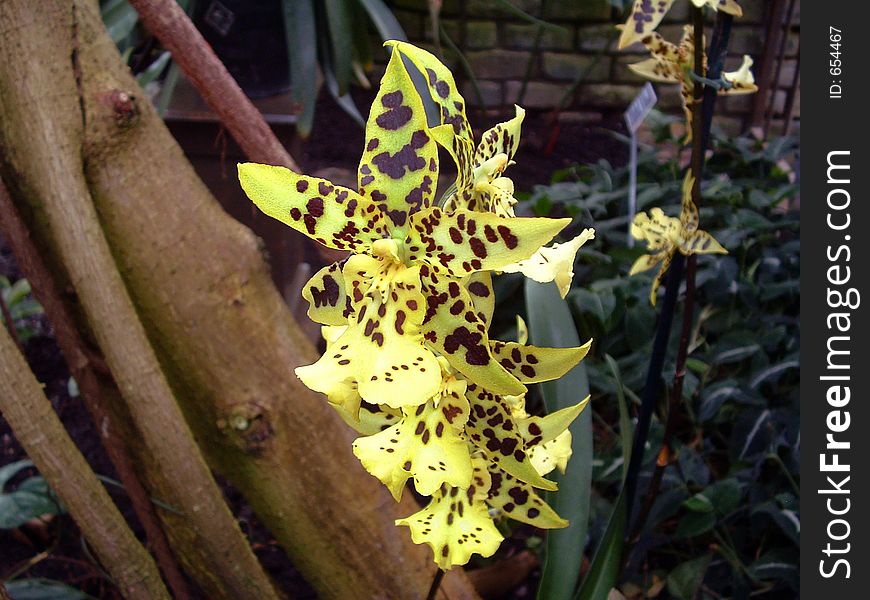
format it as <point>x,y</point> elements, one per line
<point>724,496</point>
<point>699,503</point>
<point>338,16</point>
<point>787,520</point>
<point>168,88</point>
<point>344,101</point>
<point>43,589</point>
<point>695,523</point>
<point>779,564</point>
<point>384,20</point>
<point>625,432</point>
<point>19,290</point>
<point>550,324</point>
<point>119,18</point>
<point>684,581</point>
<point>9,471</point>
<point>605,567</point>
<point>154,69</point>
<point>737,354</point>
<point>30,500</point>
<point>300,31</point>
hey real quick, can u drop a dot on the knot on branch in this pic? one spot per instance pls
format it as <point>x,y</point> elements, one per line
<point>123,107</point>
<point>247,426</point>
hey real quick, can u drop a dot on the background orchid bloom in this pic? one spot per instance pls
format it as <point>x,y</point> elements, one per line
<point>666,235</point>
<point>672,63</point>
<point>647,14</point>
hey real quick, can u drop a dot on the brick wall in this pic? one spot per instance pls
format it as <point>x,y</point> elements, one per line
<point>499,47</point>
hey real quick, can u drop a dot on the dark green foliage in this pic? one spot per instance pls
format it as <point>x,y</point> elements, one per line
<point>726,518</point>
<point>22,307</point>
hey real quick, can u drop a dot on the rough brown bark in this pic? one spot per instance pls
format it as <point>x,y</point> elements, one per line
<point>83,366</point>
<point>51,169</point>
<point>41,434</point>
<point>222,333</point>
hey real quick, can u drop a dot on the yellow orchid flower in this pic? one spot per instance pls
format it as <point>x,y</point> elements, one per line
<point>457,523</point>
<point>546,440</point>
<point>671,63</point>
<point>480,182</point>
<point>425,444</point>
<point>647,14</point>
<point>399,292</point>
<point>554,454</point>
<point>408,361</point>
<point>666,235</point>
<point>554,263</point>
<point>742,80</point>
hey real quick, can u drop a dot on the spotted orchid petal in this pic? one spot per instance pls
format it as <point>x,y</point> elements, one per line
<point>689,218</point>
<point>328,303</point>
<point>645,262</point>
<point>332,215</point>
<point>542,430</point>
<point>554,454</point>
<point>452,130</point>
<point>382,349</point>
<point>531,364</point>
<point>660,277</point>
<point>657,70</point>
<point>516,499</point>
<point>453,328</point>
<point>492,429</point>
<point>456,523</point>
<point>465,241</point>
<point>742,80</point>
<point>398,171</point>
<point>522,331</point>
<point>554,263</point>
<point>701,242</point>
<point>503,138</point>
<point>426,444</point>
<point>656,228</point>
<point>672,63</point>
<point>479,286</point>
<point>369,419</point>
<point>647,14</point>
<point>644,18</point>
<point>495,196</point>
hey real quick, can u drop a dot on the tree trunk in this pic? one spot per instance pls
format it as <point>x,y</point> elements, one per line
<point>226,342</point>
<point>40,432</point>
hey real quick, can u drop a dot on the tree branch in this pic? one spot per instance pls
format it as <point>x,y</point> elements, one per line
<point>224,337</point>
<point>79,361</point>
<point>51,171</point>
<point>46,442</point>
<point>169,23</point>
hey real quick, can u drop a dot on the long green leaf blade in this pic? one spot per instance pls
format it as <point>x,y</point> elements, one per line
<point>550,324</point>
<point>299,28</point>
<point>624,419</point>
<point>604,571</point>
<point>384,20</point>
<point>338,16</point>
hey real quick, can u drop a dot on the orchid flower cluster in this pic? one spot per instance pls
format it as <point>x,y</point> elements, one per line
<point>675,63</point>
<point>409,363</point>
